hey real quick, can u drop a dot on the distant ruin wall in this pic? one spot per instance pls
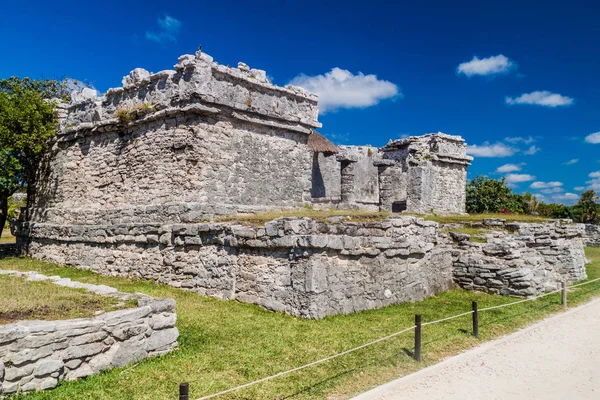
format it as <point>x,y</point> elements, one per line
<point>435,170</point>
<point>524,260</point>
<point>305,268</point>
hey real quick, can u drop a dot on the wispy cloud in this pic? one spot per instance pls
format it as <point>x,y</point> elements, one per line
<point>168,30</point>
<point>491,150</point>
<point>340,88</point>
<point>571,162</point>
<point>541,98</point>
<point>545,185</point>
<point>509,168</point>
<point>493,65</point>
<point>565,198</point>
<point>519,139</point>
<point>579,188</point>
<point>593,138</point>
<point>594,183</point>
<point>553,190</point>
<point>531,150</point>
<point>338,138</point>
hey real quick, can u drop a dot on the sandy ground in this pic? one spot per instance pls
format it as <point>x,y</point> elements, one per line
<point>558,358</point>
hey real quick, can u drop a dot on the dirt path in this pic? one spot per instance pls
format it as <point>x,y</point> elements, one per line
<point>558,358</point>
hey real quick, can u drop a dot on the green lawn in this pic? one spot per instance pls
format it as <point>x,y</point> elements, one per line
<point>21,299</point>
<point>225,343</point>
<point>7,237</point>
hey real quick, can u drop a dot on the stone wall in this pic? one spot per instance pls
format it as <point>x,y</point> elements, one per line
<point>37,355</point>
<point>299,266</point>
<point>521,259</point>
<point>592,235</point>
<point>223,140</point>
<point>435,166</point>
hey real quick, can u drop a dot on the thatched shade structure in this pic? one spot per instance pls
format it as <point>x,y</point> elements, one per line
<point>320,144</point>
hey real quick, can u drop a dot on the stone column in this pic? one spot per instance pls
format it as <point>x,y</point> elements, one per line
<point>386,183</point>
<point>347,176</point>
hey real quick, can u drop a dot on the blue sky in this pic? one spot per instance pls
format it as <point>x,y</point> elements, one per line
<point>487,71</point>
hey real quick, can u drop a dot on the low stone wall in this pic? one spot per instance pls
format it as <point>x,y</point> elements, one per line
<point>37,355</point>
<point>299,266</point>
<point>521,259</point>
<point>592,235</point>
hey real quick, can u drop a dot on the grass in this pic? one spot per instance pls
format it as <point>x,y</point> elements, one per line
<point>469,230</point>
<point>318,215</point>
<point>21,299</point>
<point>226,343</point>
<point>7,237</point>
<point>370,216</point>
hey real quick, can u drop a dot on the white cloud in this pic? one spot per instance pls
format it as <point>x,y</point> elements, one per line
<point>486,66</point>
<point>541,98</point>
<point>594,183</point>
<point>571,162</point>
<point>593,138</point>
<point>491,150</point>
<point>565,198</point>
<point>518,178</point>
<point>553,190</point>
<point>517,139</point>
<point>340,88</point>
<point>168,29</point>
<point>531,150</point>
<point>508,168</point>
<point>579,188</point>
<point>545,185</point>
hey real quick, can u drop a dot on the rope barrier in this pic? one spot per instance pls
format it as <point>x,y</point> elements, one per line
<point>447,318</point>
<point>383,339</point>
<point>307,365</point>
<point>585,283</point>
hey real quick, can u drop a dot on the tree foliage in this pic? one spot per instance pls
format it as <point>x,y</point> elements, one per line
<point>27,123</point>
<point>486,195</point>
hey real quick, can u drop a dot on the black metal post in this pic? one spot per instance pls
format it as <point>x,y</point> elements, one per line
<point>184,391</point>
<point>564,294</point>
<point>418,337</point>
<point>475,320</point>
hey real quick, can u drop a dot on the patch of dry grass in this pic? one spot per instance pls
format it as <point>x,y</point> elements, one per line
<point>318,215</point>
<point>21,299</point>
<point>475,218</point>
<point>370,216</point>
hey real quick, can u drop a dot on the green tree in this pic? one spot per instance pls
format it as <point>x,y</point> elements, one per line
<point>587,209</point>
<point>554,210</point>
<point>27,123</point>
<point>486,195</point>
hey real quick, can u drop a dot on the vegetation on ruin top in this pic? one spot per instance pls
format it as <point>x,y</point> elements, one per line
<point>25,300</point>
<point>226,343</point>
<point>478,218</point>
<point>259,219</point>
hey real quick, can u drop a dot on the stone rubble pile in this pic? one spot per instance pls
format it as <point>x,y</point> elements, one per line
<point>37,355</point>
<point>520,259</point>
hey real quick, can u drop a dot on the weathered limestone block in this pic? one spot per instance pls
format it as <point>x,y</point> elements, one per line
<point>36,355</point>
<point>529,259</point>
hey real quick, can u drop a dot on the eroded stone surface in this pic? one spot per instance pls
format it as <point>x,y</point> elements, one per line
<point>36,355</point>
<point>525,260</point>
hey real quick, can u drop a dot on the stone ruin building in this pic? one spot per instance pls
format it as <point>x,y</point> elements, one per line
<point>135,176</point>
